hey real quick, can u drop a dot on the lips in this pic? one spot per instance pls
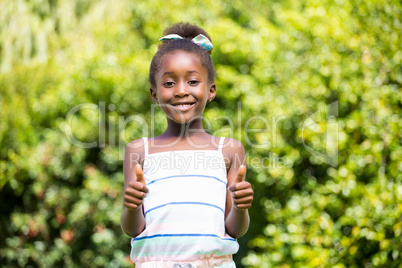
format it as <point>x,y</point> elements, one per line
<point>183,106</point>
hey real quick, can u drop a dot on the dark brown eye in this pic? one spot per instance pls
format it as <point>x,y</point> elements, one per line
<point>193,82</point>
<point>168,84</point>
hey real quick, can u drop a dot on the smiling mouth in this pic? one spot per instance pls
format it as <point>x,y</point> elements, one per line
<point>183,106</point>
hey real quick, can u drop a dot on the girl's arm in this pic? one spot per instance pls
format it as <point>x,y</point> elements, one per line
<point>132,219</point>
<point>239,194</point>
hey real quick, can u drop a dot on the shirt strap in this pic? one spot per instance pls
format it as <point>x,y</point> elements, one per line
<point>145,145</point>
<point>221,144</point>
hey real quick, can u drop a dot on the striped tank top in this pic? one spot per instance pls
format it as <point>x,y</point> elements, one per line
<point>185,207</point>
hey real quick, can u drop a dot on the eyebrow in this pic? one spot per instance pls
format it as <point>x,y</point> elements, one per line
<point>192,72</point>
<point>189,72</point>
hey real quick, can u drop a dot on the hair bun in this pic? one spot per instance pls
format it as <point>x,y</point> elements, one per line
<point>186,30</point>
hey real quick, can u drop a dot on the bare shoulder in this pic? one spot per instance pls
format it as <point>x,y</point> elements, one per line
<point>233,151</point>
<point>233,146</point>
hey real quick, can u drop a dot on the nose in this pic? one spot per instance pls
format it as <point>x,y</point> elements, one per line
<point>181,90</point>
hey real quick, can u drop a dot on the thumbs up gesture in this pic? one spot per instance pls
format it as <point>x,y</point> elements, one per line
<point>136,190</point>
<point>242,193</point>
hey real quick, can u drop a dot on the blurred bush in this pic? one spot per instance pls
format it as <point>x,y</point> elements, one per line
<point>324,196</point>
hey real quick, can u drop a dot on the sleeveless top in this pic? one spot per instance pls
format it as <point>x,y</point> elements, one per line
<point>185,207</point>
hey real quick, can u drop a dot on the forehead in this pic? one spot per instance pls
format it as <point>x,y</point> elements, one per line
<point>181,61</point>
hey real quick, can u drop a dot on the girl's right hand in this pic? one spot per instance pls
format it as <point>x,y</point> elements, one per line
<point>136,190</point>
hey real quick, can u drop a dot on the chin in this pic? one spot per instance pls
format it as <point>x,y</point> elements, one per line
<point>184,120</point>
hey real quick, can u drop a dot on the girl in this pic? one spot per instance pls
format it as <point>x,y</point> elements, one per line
<point>185,199</point>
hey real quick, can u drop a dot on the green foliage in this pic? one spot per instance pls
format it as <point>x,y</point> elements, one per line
<point>282,61</point>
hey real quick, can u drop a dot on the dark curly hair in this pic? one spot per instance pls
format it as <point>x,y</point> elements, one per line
<point>188,32</point>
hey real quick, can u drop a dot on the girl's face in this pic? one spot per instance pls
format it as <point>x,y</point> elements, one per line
<point>182,87</point>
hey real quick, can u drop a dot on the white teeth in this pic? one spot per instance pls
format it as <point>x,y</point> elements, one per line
<point>182,105</point>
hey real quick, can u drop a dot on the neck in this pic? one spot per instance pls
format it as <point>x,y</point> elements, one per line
<point>184,130</point>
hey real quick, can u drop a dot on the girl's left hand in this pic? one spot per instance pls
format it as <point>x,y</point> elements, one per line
<point>242,193</point>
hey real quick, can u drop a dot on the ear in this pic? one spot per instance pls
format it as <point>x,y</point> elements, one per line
<point>153,95</point>
<point>212,92</point>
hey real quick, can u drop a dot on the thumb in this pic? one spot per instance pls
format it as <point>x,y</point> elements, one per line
<point>240,174</point>
<point>239,178</point>
<point>139,173</point>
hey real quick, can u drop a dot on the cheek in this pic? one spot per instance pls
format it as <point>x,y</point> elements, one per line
<point>161,96</point>
<point>203,99</point>
<point>205,95</point>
